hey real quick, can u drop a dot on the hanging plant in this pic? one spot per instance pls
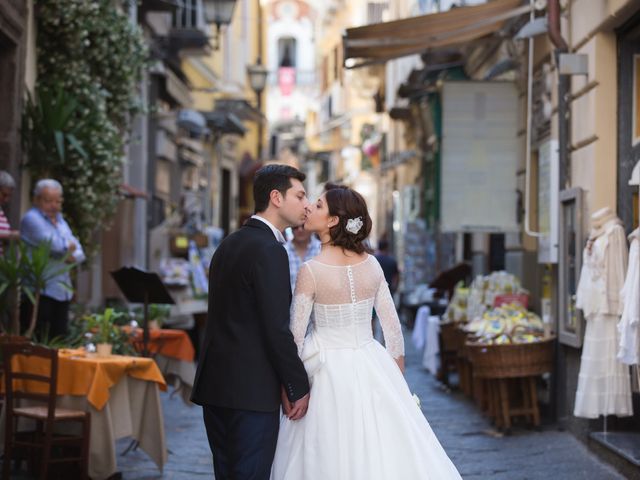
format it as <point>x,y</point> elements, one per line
<point>93,53</point>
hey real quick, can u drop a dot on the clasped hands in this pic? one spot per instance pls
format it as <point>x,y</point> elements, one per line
<point>294,410</point>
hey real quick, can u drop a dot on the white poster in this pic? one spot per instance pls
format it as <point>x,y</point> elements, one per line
<point>480,153</point>
<point>548,189</point>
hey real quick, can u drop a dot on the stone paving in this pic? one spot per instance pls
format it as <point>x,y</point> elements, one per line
<point>468,438</point>
<point>464,433</point>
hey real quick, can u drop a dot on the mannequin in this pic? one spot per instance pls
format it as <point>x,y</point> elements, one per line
<point>629,326</point>
<point>604,383</point>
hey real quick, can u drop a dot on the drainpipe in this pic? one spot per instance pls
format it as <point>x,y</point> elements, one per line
<point>564,139</point>
<point>560,374</point>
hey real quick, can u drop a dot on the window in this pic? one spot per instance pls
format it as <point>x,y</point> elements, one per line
<point>287,52</point>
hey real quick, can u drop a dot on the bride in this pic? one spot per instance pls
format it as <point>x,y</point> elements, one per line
<point>362,422</point>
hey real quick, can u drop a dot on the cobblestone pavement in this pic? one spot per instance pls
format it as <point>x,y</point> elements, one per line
<point>464,433</point>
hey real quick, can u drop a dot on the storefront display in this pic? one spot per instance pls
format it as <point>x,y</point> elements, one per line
<point>507,324</point>
<point>604,386</point>
<point>485,289</point>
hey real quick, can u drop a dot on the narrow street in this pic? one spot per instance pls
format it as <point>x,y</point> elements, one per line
<point>464,433</point>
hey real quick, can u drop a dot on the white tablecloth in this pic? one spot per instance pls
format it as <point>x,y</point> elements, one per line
<point>179,374</point>
<point>133,410</point>
<point>425,338</point>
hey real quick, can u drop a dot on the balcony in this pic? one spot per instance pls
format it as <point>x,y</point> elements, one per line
<point>189,30</point>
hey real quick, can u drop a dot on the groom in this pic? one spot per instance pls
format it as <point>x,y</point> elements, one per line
<point>249,363</point>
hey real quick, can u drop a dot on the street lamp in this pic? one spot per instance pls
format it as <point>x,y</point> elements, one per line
<point>258,80</point>
<point>219,13</point>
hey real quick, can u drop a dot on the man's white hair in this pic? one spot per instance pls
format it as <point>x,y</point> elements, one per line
<point>46,183</point>
<point>6,180</point>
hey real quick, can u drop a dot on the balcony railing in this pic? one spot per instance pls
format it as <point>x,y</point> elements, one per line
<point>304,78</point>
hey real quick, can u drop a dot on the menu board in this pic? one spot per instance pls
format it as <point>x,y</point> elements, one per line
<point>481,153</point>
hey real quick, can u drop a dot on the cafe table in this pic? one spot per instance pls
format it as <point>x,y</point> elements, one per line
<point>174,354</point>
<point>120,392</point>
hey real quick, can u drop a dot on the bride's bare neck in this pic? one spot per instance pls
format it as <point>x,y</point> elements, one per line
<point>334,255</point>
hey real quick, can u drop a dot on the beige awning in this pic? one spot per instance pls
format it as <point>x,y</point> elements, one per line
<point>385,41</point>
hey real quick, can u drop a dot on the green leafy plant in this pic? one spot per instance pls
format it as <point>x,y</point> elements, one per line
<point>102,325</point>
<point>95,56</point>
<point>104,329</point>
<point>50,128</point>
<point>158,312</point>
<point>27,270</point>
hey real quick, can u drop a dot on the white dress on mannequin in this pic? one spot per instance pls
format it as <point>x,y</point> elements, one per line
<point>629,326</point>
<point>604,385</point>
<point>362,422</point>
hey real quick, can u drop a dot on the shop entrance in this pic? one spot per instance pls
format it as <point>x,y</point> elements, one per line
<point>628,122</point>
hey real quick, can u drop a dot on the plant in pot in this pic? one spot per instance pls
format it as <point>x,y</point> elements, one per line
<point>24,273</point>
<point>105,332</point>
<point>157,314</point>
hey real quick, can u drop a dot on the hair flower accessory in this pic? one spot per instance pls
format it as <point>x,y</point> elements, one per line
<point>354,225</point>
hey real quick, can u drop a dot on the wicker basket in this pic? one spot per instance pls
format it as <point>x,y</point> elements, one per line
<point>511,360</point>
<point>452,340</point>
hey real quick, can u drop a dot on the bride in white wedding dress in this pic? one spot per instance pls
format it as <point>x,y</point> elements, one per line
<point>362,422</point>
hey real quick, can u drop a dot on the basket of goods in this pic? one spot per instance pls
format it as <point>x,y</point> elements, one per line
<point>509,342</point>
<point>485,289</point>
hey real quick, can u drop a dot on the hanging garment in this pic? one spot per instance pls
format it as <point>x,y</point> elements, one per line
<point>629,325</point>
<point>604,385</point>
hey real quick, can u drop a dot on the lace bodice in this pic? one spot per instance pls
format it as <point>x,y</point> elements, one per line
<point>342,299</point>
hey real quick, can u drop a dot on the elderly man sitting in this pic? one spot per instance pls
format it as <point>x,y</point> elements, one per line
<point>44,222</point>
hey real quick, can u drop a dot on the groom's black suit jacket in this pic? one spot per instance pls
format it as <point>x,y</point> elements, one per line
<point>248,351</point>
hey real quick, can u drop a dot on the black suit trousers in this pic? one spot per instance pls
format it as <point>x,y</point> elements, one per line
<point>243,442</point>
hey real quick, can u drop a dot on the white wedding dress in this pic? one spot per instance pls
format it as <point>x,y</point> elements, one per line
<point>362,422</point>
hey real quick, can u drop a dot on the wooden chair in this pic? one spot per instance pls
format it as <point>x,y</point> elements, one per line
<point>45,415</point>
<point>4,340</point>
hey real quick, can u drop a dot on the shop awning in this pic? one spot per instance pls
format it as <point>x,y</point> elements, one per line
<point>225,122</point>
<point>385,41</point>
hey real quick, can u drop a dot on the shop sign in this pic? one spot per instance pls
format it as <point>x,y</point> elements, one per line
<point>481,152</point>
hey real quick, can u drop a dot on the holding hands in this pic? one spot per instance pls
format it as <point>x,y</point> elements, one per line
<point>295,410</point>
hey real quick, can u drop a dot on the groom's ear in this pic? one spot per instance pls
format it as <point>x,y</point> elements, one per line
<point>276,197</point>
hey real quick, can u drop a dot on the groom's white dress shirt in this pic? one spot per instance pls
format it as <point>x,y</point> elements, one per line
<point>275,231</point>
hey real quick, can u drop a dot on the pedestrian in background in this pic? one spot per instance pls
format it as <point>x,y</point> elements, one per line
<point>44,223</point>
<point>388,264</point>
<point>7,186</point>
<point>302,247</point>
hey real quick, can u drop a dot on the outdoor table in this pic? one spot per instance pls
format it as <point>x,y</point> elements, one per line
<point>174,354</point>
<point>122,395</point>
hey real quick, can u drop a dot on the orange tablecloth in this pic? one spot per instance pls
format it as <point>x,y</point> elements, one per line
<point>89,376</point>
<point>170,343</point>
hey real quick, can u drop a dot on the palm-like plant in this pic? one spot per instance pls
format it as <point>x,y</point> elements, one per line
<point>50,127</point>
<point>27,270</point>
<point>11,277</point>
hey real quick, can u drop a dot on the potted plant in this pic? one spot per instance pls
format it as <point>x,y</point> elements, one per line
<point>25,271</point>
<point>157,314</point>
<point>105,332</point>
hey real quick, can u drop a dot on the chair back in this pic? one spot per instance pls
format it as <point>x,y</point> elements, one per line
<point>16,386</point>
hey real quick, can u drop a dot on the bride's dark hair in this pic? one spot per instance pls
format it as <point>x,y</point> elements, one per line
<point>345,203</point>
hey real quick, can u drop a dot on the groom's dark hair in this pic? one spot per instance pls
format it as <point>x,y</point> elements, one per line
<point>273,177</point>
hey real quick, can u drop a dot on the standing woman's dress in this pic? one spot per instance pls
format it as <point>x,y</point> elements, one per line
<point>604,385</point>
<point>362,422</point>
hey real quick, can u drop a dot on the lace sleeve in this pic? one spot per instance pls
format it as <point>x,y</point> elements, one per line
<point>302,305</point>
<point>386,312</point>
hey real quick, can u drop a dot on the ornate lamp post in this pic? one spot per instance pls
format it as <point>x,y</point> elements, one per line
<point>258,80</point>
<point>218,13</point>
